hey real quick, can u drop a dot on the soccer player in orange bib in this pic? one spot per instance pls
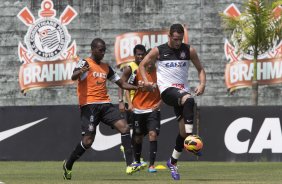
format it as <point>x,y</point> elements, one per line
<point>146,109</point>
<point>95,105</point>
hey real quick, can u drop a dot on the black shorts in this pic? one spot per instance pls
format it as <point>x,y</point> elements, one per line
<point>143,123</point>
<point>172,97</point>
<point>92,114</point>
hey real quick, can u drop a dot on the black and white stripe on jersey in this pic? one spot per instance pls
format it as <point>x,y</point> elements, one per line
<point>81,63</point>
<point>166,53</point>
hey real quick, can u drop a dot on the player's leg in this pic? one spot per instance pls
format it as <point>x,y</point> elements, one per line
<point>173,97</point>
<point>123,128</point>
<point>88,126</point>
<point>137,138</point>
<point>112,117</point>
<point>153,125</point>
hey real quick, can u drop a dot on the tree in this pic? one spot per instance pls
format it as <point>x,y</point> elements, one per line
<point>255,31</point>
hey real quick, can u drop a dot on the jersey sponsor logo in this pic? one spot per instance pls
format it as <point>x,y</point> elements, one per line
<point>47,41</point>
<point>99,75</point>
<point>11,132</point>
<point>239,70</point>
<point>104,142</point>
<point>175,64</point>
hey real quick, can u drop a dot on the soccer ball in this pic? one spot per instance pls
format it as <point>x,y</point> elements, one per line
<point>193,143</point>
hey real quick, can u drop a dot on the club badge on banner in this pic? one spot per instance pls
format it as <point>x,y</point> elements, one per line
<point>126,42</point>
<point>47,58</point>
<point>240,68</point>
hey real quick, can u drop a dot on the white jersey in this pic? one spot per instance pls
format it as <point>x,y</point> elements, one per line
<point>172,67</point>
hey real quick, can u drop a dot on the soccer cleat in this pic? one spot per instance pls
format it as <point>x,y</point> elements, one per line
<point>142,164</point>
<point>134,167</point>
<point>152,169</point>
<point>173,170</point>
<point>199,153</point>
<point>67,173</point>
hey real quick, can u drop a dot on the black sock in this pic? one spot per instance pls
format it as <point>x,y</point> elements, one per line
<point>173,160</point>
<point>179,143</point>
<point>76,154</point>
<point>137,151</point>
<point>126,142</point>
<point>153,151</point>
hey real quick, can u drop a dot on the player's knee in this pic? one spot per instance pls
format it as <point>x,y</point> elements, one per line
<point>189,102</point>
<point>185,98</point>
<point>122,126</point>
<point>138,139</point>
<point>152,136</point>
<point>124,129</point>
<point>87,142</point>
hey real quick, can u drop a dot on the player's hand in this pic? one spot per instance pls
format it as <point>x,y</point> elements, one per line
<point>84,69</point>
<point>130,107</point>
<point>199,90</point>
<point>148,86</point>
<point>157,106</point>
<point>140,84</point>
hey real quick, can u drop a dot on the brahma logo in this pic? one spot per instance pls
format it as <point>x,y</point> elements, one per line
<point>47,39</point>
<point>239,70</point>
<point>125,43</point>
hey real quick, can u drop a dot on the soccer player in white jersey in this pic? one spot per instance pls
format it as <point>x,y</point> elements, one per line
<point>173,59</point>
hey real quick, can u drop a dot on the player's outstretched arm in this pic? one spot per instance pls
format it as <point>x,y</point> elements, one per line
<point>124,85</point>
<point>199,90</point>
<point>150,57</point>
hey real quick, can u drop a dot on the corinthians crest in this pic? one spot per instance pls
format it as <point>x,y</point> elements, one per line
<point>48,56</point>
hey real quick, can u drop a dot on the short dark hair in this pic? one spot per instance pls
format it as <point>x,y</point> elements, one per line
<point>139,47</point>
<point>95,42</point>
<point>176,28</point>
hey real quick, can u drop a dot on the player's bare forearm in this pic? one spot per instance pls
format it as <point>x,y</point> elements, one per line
<point>125,85</point>
<point>202,77</point>
<point>200,89</point>
<point>75,75</point>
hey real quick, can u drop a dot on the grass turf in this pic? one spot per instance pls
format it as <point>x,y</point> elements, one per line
<point>114,173</point>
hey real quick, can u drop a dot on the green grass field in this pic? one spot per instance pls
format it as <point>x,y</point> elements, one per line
<point>114,173</point>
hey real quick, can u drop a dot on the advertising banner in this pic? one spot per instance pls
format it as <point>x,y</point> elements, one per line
<point>126,42</point>
<point>239,71</point>
<point>52,132</point>
<point>241,133</point>
<point>36,133</point>
<point>48,57</point>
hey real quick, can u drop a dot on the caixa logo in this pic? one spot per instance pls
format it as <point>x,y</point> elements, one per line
<point>269,136</point>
